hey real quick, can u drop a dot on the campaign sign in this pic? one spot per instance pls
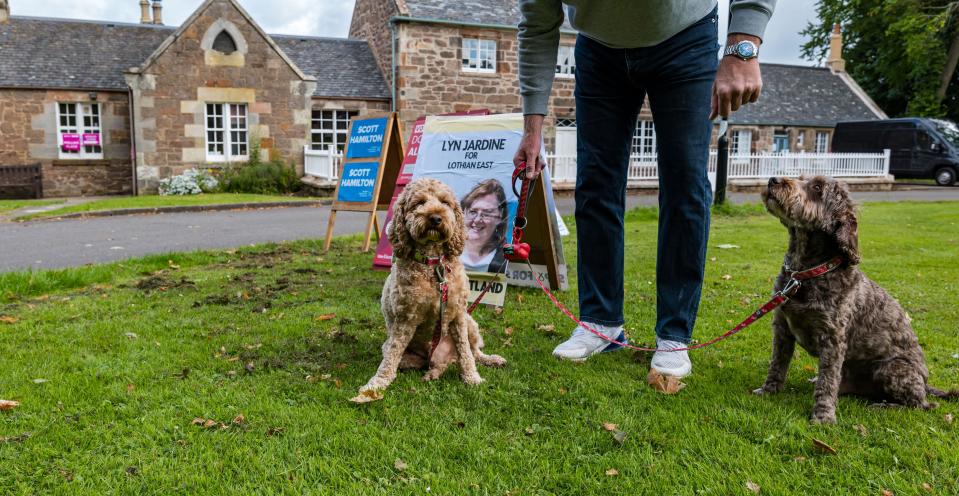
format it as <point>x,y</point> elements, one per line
<point>412,151</point>
<point>357,182</point>
<point>366,138</point>
<point>71,142</point>
<point>91,139</point>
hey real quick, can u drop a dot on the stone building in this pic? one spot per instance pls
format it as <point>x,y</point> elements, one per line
<point>112,108</point>
<point>450,55</point>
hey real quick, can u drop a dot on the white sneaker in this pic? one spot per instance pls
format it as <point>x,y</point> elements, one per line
<point>674,363</point>
<point>584,344</point>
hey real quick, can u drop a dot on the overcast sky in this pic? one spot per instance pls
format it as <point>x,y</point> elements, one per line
<point>332,18</point>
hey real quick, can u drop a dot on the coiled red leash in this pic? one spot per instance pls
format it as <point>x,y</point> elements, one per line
<point>519,252</point>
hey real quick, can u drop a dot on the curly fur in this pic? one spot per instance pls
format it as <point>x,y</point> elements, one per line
<point>428,219</point>
<point>861,335</point>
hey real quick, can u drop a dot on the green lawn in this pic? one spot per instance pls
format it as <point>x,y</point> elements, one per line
<point>154,201</point>
<point>113,363</point>
<point>8,205</point>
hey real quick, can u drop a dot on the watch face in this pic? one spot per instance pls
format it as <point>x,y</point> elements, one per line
<point>745,49</point>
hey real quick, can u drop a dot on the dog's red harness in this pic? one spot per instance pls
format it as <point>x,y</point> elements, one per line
<point>440,267</point>
<point>521,253</point>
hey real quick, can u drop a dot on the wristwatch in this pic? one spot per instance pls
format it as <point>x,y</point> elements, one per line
<point>745,50</point>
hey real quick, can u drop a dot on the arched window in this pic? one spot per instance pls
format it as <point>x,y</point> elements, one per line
<point>224,43</point>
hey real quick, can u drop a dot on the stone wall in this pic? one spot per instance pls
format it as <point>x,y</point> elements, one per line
<point>371,23</point>
<point>28,124</point>
<point>171,96</point>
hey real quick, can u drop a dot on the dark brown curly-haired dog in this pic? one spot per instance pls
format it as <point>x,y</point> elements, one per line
<point>860,334</point>
<point>428,225</point>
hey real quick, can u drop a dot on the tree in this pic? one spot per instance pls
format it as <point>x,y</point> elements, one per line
<point>902,52</point>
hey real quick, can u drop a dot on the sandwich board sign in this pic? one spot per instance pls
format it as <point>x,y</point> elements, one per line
<point>371,164</point>
<point>384,252</point>
<point>473,155</point>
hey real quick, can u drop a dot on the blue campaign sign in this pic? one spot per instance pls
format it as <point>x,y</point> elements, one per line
<point>357,182</point>
<point>366,138</point>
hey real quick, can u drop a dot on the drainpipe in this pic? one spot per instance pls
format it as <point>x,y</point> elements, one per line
<point>393,62</point>
<point>133,143</point>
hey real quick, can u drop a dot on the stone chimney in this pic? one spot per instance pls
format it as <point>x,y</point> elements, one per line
<point>4,11</point>
<point>157,14</point>
<point>145,12</point>
<point>835,61</point>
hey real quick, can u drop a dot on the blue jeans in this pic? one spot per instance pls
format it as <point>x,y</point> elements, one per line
<point>611,83</point>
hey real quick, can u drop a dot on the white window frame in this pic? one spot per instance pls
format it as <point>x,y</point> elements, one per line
<point>800,139</point>
<point>566,61</point>
<point>339,128</point>
<point>822,142</point>
<point>780,134</point>
<point>233,129</point>
<point>742,142</point>
<point>476,52</point>
<point>644,139</point>
<point>87,119</point>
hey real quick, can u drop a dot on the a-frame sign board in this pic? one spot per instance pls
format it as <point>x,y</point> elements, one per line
<point>371,163</point>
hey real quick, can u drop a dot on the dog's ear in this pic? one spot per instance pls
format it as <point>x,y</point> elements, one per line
<point>456,243</point>
<point>846,225</point>
<point>396,230</point>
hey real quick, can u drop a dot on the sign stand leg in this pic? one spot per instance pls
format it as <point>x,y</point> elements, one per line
<point>376,227</point>
<point>369,231</point>
<point>329,231</point>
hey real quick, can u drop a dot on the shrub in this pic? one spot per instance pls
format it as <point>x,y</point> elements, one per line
<point>256,176</point>
<point>191,182</point>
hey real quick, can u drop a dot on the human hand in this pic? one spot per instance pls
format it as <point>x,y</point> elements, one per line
<point>738,81</point>
<point>529,147</point>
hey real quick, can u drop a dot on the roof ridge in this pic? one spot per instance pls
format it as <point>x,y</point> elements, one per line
<point>311,37</point>
<point>91,21</point>
<point>797,66</point>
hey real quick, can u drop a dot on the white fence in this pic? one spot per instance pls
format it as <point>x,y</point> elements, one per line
<point>756,166</point>
<point>324,164</point>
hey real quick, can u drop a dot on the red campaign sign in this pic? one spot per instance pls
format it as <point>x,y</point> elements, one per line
<point>384,252</point>
<point>91,139</point>
<point>71,142</point>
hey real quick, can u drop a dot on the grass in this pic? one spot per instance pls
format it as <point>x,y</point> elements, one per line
<point>10,205</point>
<point>132,352</point>
<point>154,201</point>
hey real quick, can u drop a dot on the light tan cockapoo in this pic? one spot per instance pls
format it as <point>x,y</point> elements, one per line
<point>427,234</point>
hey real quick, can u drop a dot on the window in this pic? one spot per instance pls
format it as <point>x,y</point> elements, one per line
<point>330,128</point>
<point>479,55</point>
<point>78,130</point>
<point>565,61</point>
<point>226,132</point>
<point>800,139</point>
<point>822,142</point>
<point>742,142</point>
<point>644,138</point>
<point>780,142</point>
<point>224,43</point>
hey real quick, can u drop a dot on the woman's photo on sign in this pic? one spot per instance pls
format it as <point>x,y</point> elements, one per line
<point>487,215</point>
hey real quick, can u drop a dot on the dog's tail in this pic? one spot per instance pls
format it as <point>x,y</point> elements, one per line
<point>938,393</point>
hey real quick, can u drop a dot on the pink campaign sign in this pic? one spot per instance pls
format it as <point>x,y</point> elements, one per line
<point>71,142</point>
<point>91,139</point>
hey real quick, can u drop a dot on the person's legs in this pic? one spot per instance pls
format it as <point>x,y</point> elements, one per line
<point>680,87</point>
<point>607,103</point>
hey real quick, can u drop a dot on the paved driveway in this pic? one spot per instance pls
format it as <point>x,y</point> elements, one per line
<point>68,243</point>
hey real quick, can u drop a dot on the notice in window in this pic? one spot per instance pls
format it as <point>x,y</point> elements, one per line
<point>91,139</point>
<point>71,142</point>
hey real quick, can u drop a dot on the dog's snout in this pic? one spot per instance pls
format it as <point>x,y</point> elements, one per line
<point>774,181</point>
<point>436,220</point>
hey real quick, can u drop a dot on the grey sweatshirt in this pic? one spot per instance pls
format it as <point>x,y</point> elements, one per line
<point>616,23</point>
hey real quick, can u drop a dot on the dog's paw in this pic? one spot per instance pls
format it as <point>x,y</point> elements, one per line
<point>492,361</point>
<point>767,389</point>
<point>431,375</point>
<point>822,418</point>
<point>473,379</point>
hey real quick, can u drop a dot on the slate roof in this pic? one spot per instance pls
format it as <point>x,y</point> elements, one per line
<point>493,12</point>
<point>93,55</point>
<point>795,95</point>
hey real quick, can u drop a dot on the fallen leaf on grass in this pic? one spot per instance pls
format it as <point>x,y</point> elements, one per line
<point>508,331</point>
<point>547,328</point>
<point>8,319</point>
<point>809,368</point>
<point>519,298</point>
<point>274,431</point>
<point>727,277</point>
<point>249,367</point>
<point>367,396</point>
<point>39,381</point>
<point>14,439</point>
<point>498,310</point>
<point>712,259</point>
<point>727,246</point>
<point>619,437</point>
<point>130,388</point>
<point>948,418</point>
<point>609,427</point>
<point>239,419</point>
<point>612,472</point>
<point>8,404</point>
<point>926,487</point>
<point>823,447</point>
<point>861,429</point>
<point>799,459</point>
<point>325,316</point>
<point>665,384</point>
<point>130,335</point>
<point>886,492</point>
<point>400,465</point>
<point>752,486</point>
<point>529,431</point>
